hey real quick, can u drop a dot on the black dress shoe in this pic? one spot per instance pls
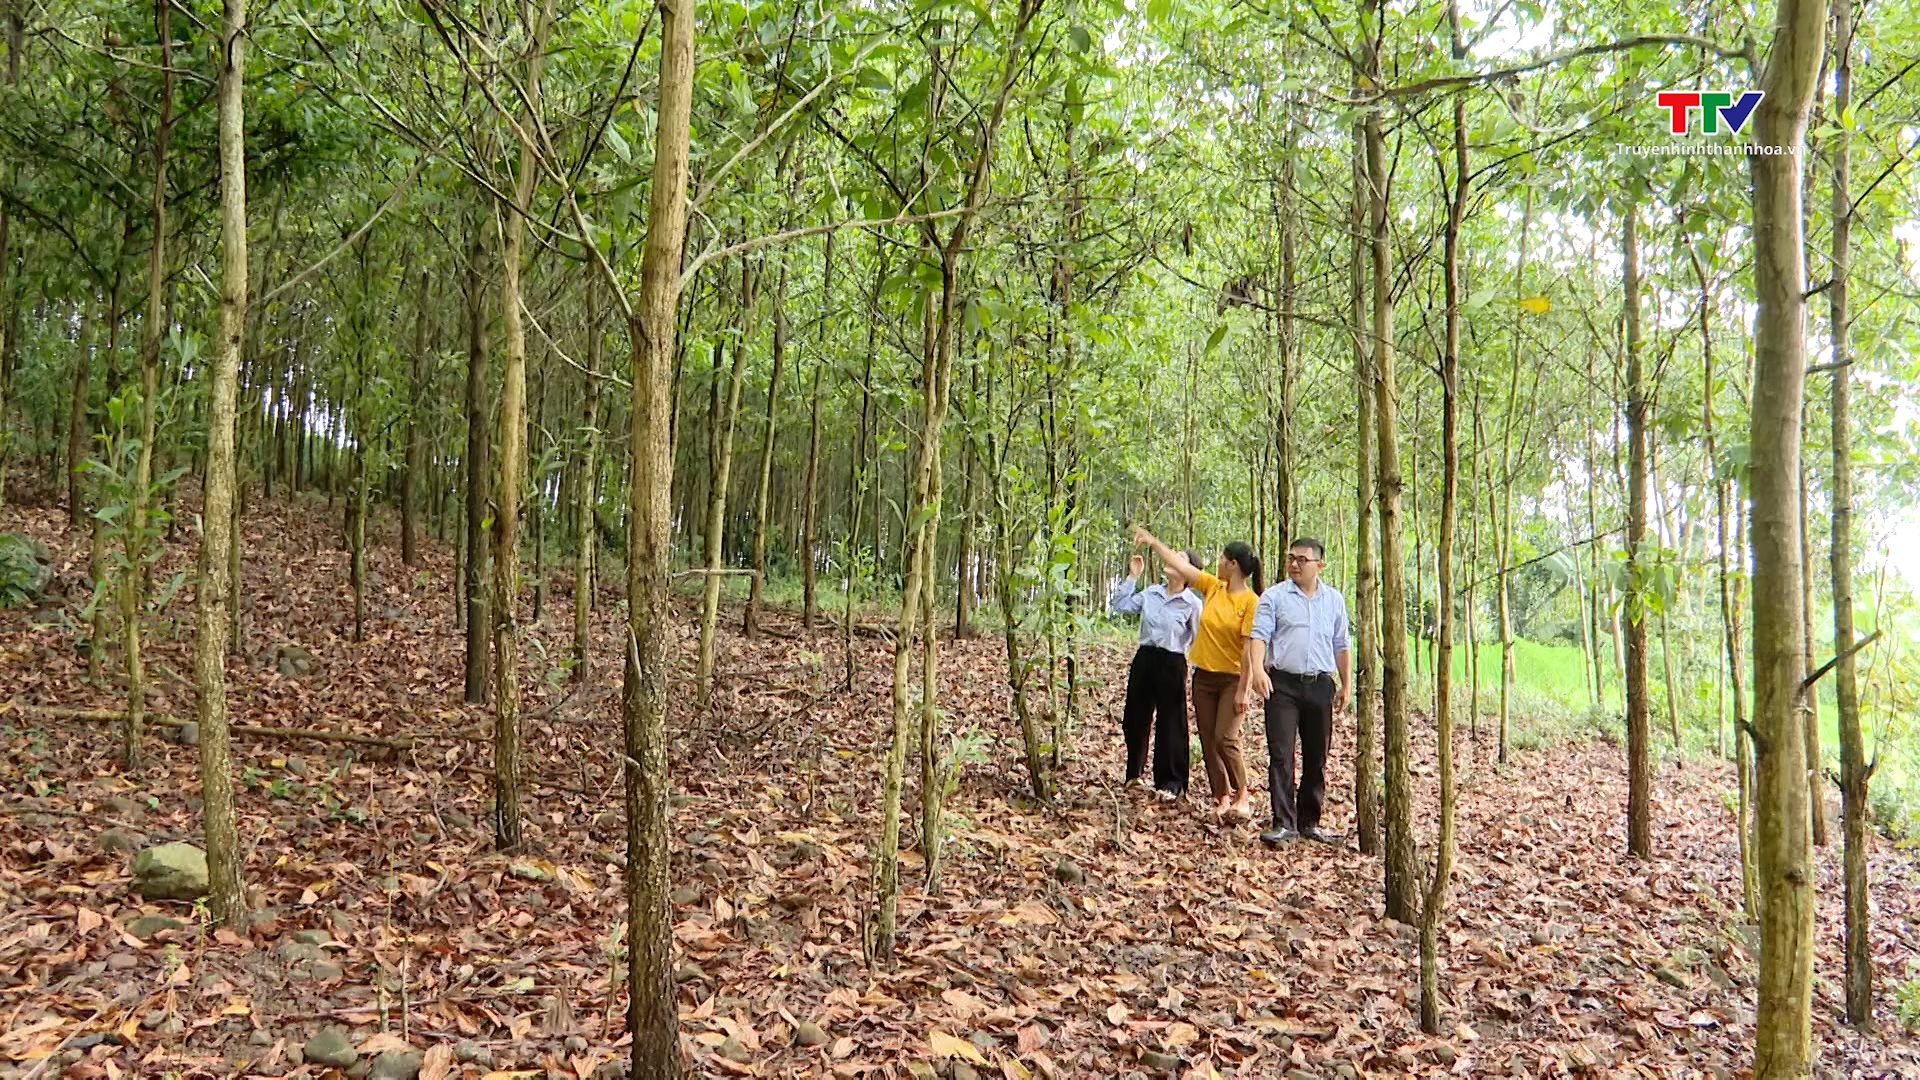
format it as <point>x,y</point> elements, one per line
<point>1276,837</point>
<point>1312,833</point>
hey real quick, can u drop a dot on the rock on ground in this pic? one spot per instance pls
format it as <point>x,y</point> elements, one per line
<point>176,871</point>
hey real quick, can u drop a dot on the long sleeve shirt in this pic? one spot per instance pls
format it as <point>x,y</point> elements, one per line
<point>1166,621</point>
<point>1303,633</point>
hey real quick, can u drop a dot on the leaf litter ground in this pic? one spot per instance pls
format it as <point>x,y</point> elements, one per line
<point>1109,935</point>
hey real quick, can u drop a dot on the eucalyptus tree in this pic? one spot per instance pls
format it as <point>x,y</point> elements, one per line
<point>1782,1029</point>
<point>950,186</point>
<point>226,897</point>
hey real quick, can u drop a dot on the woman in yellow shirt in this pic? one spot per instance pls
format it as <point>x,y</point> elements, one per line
<point>1221,697</point>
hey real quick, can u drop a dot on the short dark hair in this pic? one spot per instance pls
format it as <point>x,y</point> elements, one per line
<point>1319,549</point>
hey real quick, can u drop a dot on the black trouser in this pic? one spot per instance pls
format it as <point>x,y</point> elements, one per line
<point>1299,705</point>
<point>1157,683</point>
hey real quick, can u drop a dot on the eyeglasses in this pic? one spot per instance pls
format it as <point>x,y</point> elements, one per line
<point>1301,559</point>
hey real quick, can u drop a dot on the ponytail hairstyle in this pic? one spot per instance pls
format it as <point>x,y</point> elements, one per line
<point>1242,556</point>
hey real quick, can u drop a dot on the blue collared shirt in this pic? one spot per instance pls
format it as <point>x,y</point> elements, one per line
<point>1166,622</point>
<point>1303,633</point>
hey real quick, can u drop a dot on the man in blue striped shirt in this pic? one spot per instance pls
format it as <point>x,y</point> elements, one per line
<point>1299,645</point>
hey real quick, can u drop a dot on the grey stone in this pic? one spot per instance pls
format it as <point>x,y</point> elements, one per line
<point>122,806</point>
<point>963,1071</point>
<point>468,1052</point>
<point>293,952</point>
<point>809,1033</point>
<point>311,937</point>
<point>1068,872</point>
<point>176,871</point>
<point>1670,977</point>
<point>148,925</point>
<point>456,820</point>
<point>330,1046</point>
<point>113,841</point>
<point>122,961</point>
<point>292,661</point>
<point>324,970</point>
<point>576,1045</point>
<point>612,1070</point>
<point>733,1051</point>
<point>686,895</point>
<point>396,1065</point>
<point>1154,1059</point>
<point>359,1069</point>
<point>260,1037</point>
<point>1444,1054</point>
<point>297,766</point>
<point>690,972</point>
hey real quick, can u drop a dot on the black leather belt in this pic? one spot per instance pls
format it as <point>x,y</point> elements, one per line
<point>1299,678</point>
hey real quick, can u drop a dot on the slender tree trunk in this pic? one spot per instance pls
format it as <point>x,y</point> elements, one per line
<point>750,624</point>
<point>933,769</point>
<point>587,488</point>
<point>226,897</point>
<point>652,1017</point>
<point>132,594</point>
<point>810,605</point>
<point>920,536</point>
<point>1436,897</point>
<point>1854,769</point>
<point>510,475</point>
<point>1639,769</point>
<point>1504,548</point>
<point>1810,715</point>
<point>1783,1028</point>
<point>1401,884</point>
<point>1366,793</point>
<point>479,634</point>
<point>409,480</point>
<point>722,473</point>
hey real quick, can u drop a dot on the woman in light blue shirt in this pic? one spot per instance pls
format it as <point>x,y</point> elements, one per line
<point>1157,679</point>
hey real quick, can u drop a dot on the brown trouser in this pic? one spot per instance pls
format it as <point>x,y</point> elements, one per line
<point>1217,714</point>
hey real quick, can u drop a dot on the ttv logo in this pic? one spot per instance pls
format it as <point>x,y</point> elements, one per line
<point>1714,106</point>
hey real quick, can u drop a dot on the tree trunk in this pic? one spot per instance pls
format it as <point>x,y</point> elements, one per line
<point>226,897</point>
<point>750,624</point>
<point>132,594</point>
<point>1810,715</point>
<point>721,466</point>
<point>652,1018</point>
<point>1782,1031</point>
<point>1639,770</point>
<point>933,768</point>
<point>1366,793</point>
<point>1504,547</point>
<point>1401,885</point>
<point>510,475</point>
<point>1854,770</point>
<point>409,480</point>
<point>923,526</point>
<point>1436,897</point>
<point>809,605</point>
<point>479,635</point>
<point>587,488</point>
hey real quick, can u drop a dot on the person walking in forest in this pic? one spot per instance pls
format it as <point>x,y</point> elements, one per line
<point>1157,678</point>
<point>1299,646</point>
<point>1221,693</point>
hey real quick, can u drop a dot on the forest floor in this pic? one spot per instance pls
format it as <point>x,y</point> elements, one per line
<point>1178,947</point>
